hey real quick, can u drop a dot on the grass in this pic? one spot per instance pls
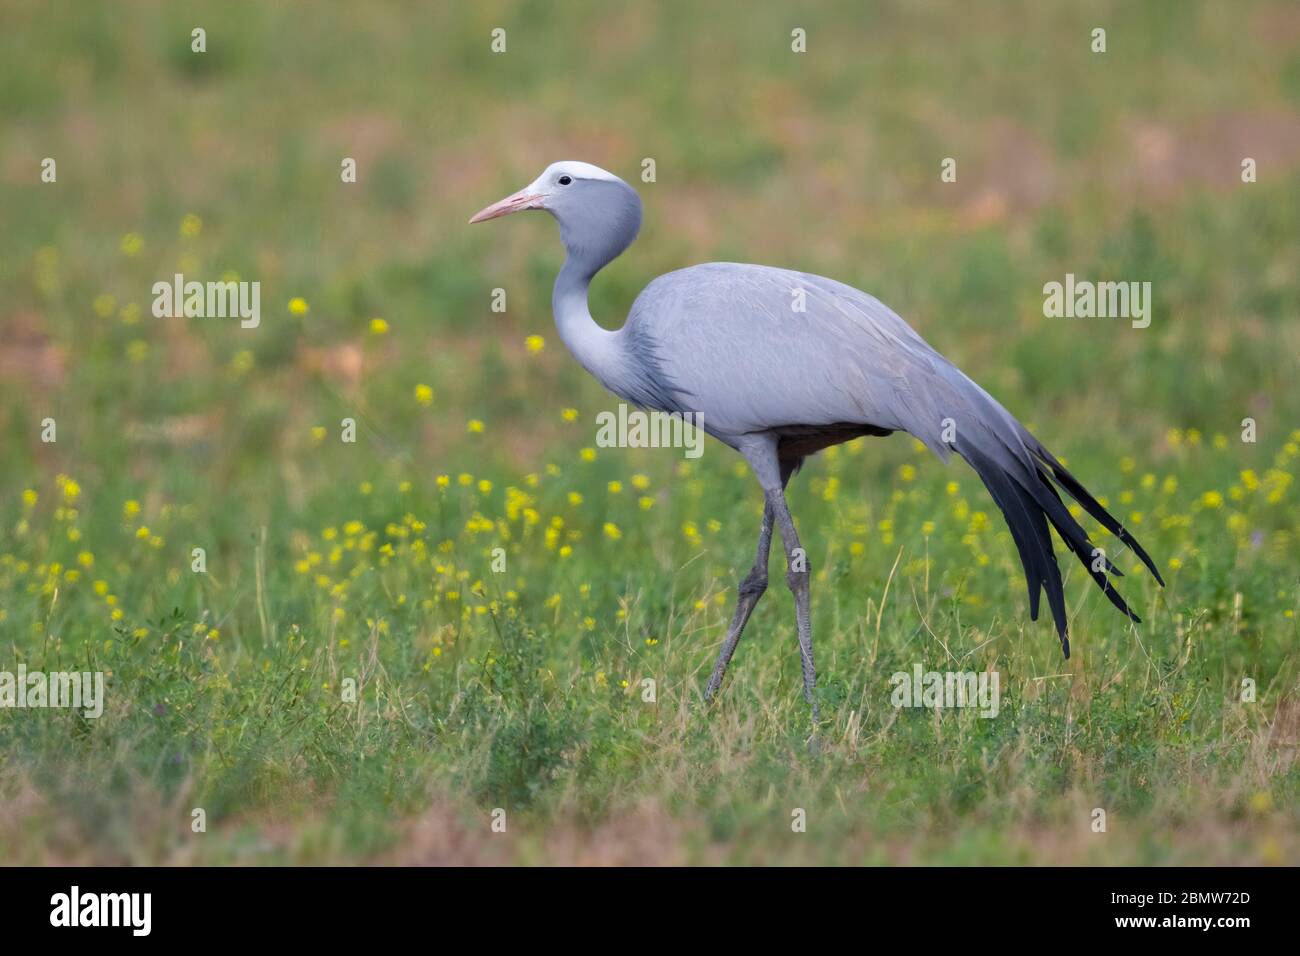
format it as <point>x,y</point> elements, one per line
<point>372,562</point>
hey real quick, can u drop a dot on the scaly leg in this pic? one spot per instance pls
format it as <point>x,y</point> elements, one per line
<point>750,590</point>
<point>760,450</point>
<point>797,576</point>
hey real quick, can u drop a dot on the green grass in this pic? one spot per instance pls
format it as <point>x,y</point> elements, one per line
<point>329,562</point>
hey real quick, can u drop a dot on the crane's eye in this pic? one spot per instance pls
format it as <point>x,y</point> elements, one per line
<point>565,180</point>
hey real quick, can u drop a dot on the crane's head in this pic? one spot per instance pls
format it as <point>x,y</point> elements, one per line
<point>598,213</point>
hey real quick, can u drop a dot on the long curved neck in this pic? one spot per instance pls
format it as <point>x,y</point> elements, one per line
<point>594,230</point>
<point>595,348</point>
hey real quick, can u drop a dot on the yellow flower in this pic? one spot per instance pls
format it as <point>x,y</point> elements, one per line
<point>142,532</point>
<point>1250,479</point>
<point>640,482</point>
<point>86,559</point>
<point>191,226</point>
<point>318,433</point>
<point>1212,499</point>
<point>645,502</point>
<point>71,490</point>
<point>424,394</point>
<point>241,362</point>
<point>443,481</point>
<point>104,305</point>
<point>575,498</point>
<point>534,343</point>
<point>615,487</point>
<point>569,414</point>
<point>1279,481</point>
<point>612,532</point>
<point>927,528</point>
<point>131,244</point>
<point>587,454</point>
<point>298,306</point>
<point>130,509</point>
<point>484,486</point>
<point>474,426</point>
<point>378,327</point>
<point>907,472</point>
<point>30,497</point>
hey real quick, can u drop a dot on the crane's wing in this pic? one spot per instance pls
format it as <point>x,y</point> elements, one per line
<point>757,349</point>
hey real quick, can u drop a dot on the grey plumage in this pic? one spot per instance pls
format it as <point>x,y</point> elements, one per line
<point>744,358</point>
<point>780,364</point>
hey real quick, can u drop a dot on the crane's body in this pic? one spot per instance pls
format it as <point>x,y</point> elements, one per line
<point>780,320</point>
<point>780,364</point>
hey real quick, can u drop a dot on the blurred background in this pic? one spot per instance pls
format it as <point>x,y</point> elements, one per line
<point>329,561</point>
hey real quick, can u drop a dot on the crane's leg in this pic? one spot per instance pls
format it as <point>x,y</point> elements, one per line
<point>797,575</point>
<point>760,450</point>
<point>747,595</point>
<point>750,590</point>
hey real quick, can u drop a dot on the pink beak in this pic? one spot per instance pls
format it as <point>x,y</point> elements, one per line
<point>520,200</point>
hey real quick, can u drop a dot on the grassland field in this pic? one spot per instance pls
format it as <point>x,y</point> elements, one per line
<point>367,566</point>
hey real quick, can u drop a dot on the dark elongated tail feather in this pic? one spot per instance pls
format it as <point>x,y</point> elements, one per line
<point>1089,503</point>
<point>1014,469</point>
